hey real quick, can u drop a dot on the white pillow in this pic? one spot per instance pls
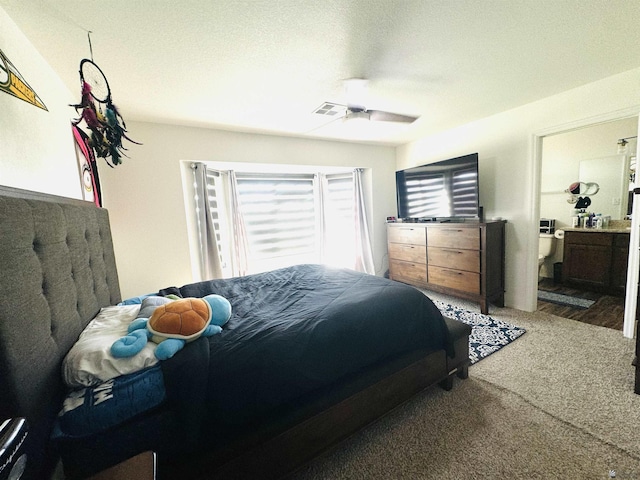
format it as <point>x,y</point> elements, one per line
<point>89,362</point>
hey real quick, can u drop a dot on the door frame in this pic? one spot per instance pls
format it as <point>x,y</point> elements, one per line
<point>634,244</point>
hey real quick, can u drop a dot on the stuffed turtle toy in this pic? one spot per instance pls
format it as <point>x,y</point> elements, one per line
<point>174,324</point>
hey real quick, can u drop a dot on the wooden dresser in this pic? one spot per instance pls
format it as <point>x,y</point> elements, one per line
<point>465,260</point>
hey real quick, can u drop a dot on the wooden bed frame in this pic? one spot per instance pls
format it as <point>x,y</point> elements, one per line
<point>58,269</point>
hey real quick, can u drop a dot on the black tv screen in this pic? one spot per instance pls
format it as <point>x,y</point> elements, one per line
<point>442,190</point>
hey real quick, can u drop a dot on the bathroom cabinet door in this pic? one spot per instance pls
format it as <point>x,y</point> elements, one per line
<point>587,260</point>
<point>619,260</point>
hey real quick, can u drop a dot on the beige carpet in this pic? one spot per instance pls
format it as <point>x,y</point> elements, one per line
<point>556,403</point>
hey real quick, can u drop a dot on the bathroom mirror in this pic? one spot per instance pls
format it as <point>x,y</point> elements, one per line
<point>611,174</point>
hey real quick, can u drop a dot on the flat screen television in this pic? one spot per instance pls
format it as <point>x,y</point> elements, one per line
<point>445,190</point>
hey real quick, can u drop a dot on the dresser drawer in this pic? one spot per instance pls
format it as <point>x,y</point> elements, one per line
<point>454,237</point>
<point>456,279</point>
<point>412,235</point>
<point>468,260</point>
<point>408,272</point>
<point>408,253</point>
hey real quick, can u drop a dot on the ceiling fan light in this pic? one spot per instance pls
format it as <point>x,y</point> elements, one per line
<point>360,116</point>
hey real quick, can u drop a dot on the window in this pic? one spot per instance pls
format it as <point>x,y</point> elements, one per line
<point>215,198</point>
<point>290,218</point>
<point>280,219</point>
<point>339,232</point>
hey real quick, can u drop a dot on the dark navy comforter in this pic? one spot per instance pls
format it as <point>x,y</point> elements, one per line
<point>294,331</point>
<point>299,339</point>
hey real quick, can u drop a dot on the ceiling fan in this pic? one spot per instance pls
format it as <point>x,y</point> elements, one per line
<point>355,90</point>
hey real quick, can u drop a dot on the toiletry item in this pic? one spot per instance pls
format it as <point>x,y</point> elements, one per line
<point>575,221</point>
<point>583,222</point>
<point>599,221</point>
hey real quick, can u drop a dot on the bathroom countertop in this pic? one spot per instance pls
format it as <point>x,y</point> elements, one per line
<point>599,230</point>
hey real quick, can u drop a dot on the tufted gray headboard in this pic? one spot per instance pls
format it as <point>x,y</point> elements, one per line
<point>57,269</point>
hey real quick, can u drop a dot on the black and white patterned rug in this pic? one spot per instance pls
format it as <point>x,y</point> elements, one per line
<point>488,335</point>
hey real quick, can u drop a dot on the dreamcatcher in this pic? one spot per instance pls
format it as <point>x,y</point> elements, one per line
<point>106,128</point>
<point>100,115</point>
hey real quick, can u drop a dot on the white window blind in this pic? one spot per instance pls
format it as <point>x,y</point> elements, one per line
<point>215,193</point>
<point>340,196</point>
<point>340,246</point>
<point>279,215</point>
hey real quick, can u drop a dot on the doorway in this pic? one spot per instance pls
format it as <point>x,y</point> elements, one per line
<point>561,154</point>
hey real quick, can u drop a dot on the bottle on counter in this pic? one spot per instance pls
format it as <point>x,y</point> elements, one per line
<point>599,221</point>
<point>584,220</point>
<point>575,221</point>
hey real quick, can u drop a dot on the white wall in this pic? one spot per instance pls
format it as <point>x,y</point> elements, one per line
<point>36,146</point>
<point>509,167</point>
<point>145,198</point>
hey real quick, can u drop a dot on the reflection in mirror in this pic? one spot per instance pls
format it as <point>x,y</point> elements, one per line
<point>611,175</point>
<point>583,188</point>
<point>632,184</point>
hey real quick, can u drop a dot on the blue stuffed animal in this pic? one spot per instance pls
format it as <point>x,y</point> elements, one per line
<point>174,324</point>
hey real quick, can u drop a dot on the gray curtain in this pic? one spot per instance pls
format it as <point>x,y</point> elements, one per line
<point>364,255</point>
<point>210,265</point>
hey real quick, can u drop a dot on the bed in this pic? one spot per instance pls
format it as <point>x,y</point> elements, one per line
<point>309,356</point>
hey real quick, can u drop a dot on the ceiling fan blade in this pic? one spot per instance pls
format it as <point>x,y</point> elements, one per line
<point>381,116</point>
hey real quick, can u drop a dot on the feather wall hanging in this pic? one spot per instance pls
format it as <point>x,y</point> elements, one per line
<point>100,115</point>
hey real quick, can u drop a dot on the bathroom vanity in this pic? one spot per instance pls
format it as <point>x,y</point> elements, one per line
<point>596,259</point>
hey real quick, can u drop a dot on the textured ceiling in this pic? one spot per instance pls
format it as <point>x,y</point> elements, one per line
<point>266,65</point>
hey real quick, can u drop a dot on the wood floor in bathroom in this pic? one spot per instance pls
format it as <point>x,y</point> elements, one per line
<point>608,311</point>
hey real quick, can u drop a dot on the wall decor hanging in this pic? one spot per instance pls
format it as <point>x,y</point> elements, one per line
<point>14,84</point>
<point>87,166</point>
<point>100,115</point>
